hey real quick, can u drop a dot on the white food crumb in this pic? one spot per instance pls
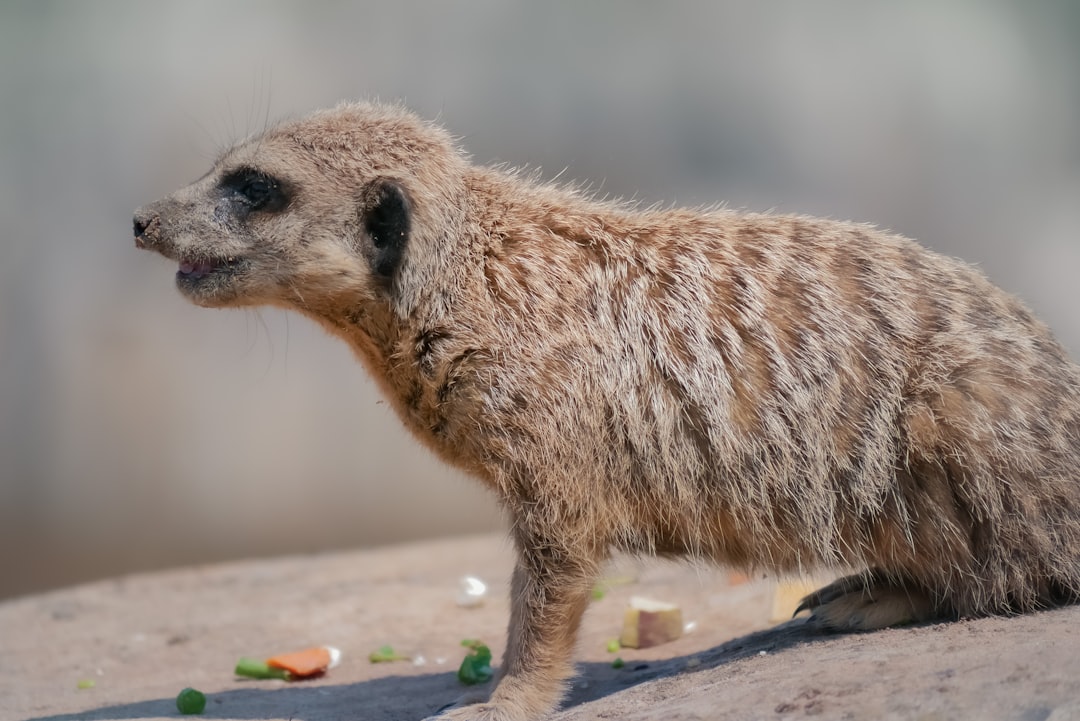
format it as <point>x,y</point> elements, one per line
<point>471,592</point>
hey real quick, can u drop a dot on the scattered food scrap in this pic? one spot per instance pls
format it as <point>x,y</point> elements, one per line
<point>476,666</point>
<point>254,668</point>
<point>292,666</point>
<point>85,683</point>
<point>738,578</point>
<point>189,701</point>
<point>618,663</point>
<point>472,592</point>
<point>787,596</point>
<point>613,646</point>
<point>306,663</point>
<point>386,654</point>
<point>650,623</point>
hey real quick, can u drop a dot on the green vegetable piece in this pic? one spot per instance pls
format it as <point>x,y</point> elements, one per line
<point>385,654</point>
<point>598,591</point>
<point>613,646</point>
<point>191,701</point>
<point>618,663</point>
<point>86,683</point>
<point>481,652</point>
<point>476,666</point>
<point>253,668</point>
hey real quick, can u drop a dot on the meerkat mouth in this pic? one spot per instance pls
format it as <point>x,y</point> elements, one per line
<point>208,280</point>
<point>195,269</point>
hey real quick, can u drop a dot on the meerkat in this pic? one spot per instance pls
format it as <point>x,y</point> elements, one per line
<point>763,391</point>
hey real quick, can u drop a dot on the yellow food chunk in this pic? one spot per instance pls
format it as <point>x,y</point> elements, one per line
<point>787,596</point>
<point>650,623</point>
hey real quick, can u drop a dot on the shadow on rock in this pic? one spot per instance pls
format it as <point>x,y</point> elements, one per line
<point>407,698</point>
<point>597,680</point>
<point>393,698</point>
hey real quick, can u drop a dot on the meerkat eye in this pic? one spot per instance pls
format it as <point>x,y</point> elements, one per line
<point>257,190</point>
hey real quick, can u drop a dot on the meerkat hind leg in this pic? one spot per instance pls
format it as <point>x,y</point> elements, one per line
<point>866,602</point>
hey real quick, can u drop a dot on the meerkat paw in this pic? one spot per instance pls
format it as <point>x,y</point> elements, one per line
<point>512,700</point>
<point>469,698</point>
<point>482,712</point>
<point>866,603</point>
<point>840,587</point>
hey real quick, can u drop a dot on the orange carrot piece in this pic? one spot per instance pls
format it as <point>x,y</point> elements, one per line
<point>309,662</point>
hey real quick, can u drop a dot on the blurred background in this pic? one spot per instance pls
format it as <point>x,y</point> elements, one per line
<point>139,432</point>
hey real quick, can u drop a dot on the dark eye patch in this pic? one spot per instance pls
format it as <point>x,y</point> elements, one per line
<point>257,190</point>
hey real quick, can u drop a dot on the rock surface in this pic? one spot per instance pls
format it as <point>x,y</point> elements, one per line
<point>144,638</point>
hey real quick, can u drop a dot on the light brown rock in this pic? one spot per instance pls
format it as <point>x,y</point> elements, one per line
<point>144,638</point>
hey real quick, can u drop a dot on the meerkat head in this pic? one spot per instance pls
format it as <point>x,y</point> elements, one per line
<point>330,209</point>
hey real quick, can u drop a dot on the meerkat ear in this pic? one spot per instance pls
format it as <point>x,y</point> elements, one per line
<point>385,217</point>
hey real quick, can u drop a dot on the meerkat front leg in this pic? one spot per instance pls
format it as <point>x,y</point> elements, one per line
<point>550,589</point>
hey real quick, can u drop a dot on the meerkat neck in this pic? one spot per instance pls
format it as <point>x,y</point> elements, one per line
<point>506,205</point>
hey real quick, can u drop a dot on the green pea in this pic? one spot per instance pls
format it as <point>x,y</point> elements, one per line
<point>191,701</point>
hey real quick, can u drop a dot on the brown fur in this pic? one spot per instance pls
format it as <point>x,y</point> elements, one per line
<point>770,392</point>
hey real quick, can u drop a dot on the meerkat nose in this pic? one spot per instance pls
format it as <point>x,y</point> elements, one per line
<point>141,225</point>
